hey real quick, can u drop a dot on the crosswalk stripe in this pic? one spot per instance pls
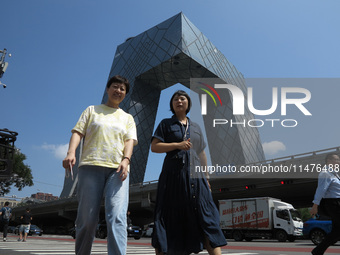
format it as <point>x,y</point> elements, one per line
<point>64,253</point>
<point>243,253</point>
<point>67,248</point>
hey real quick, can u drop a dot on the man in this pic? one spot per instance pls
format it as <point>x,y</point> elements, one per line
<point>6,214</point>
<point>129,221</point>
<point>25,225</point>
<point>329,190</point>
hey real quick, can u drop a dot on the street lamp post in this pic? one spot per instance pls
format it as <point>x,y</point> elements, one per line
<point>7,150</point>
<point>3,65</point>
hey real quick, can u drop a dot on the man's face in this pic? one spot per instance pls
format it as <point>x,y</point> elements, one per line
<point>335,161</point>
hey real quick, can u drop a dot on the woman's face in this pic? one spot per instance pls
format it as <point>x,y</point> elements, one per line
<point>116,93</point>
<point>180,104</point>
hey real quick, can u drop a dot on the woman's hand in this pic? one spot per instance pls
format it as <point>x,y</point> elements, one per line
<point>124,164</point>
<point>160,147</point>
<point>123,168</point>
<point>185,145</point>
<point>69,160</point>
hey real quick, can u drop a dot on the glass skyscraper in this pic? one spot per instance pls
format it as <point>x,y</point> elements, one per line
<point>172,52</point>
<point>169,53</point>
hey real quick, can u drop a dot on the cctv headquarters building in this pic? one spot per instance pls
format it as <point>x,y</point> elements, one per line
<point>173,52</point>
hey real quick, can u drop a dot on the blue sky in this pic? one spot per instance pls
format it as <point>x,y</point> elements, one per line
<point>62,53</point>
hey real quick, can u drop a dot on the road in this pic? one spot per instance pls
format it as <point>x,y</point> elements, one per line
<point>64,245</point>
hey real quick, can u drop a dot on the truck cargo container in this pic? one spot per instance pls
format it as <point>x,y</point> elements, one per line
<point>260,217</point>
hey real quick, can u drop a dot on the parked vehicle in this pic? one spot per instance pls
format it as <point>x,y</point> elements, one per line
<point>261,217</point>
<point>16,230</point>
<point>72,232</point>
<point>149,230</point>
<point>317,229</point>
<point>10,229</point>
<point>34,230</point>
<point>101,231</point>
<point>132,231</point>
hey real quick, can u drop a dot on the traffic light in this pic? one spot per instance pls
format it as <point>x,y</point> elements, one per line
<point>250,186</point>
<point>223,189</point>
<point>283,182</point>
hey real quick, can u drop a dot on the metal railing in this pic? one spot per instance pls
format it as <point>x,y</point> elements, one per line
<point>269,161</point>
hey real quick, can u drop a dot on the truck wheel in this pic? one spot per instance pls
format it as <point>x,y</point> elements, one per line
<point>101,234</point>
<point>225,233</point>
<point>238,236</point>
<point>291,238</point>
<point>317,235</point>
<point>281,235</point>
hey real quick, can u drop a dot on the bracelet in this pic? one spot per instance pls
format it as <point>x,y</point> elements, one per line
<point>127,159</point>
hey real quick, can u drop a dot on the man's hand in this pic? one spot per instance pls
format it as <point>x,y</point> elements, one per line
<point>314,210</point>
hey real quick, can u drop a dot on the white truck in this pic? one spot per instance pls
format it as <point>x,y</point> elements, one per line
<point>260,217</point>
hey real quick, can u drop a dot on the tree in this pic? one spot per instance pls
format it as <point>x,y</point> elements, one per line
<point>21,175</point>
<point>305,214</point>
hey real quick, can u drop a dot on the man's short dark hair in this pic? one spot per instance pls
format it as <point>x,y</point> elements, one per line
<point>330,156</point>
<point>6,203</point>
<point>180,93</point>
<point>120,80</point>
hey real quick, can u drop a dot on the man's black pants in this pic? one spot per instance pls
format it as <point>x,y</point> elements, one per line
<point>333,209</point>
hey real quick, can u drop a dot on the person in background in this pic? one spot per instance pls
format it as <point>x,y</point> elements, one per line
<point>109,136</point>
<point>6,214</point>
<point>25,225</point>
<point>128,219</point>
<point>186,219</point>
<point>329,190</point>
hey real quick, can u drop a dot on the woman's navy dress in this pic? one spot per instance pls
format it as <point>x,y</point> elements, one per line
<point>185,211</point>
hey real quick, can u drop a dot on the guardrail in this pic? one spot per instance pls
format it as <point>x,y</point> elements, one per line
<point>269,161</point>
<point>299,156</point>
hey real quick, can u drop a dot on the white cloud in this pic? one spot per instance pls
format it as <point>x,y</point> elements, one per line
<point>273,147</point>
<point>58,150</point>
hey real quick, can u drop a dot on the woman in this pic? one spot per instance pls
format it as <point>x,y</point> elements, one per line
<point>329,190</point>
<point>186,218</point>
<point>110,134</point>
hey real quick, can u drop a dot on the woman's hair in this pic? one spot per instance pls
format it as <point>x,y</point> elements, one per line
<point>120,80</point>
<point>180,93</point>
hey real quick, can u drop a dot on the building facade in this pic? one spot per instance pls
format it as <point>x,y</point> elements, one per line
<point>12,202</point>
<point>44,196</point>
